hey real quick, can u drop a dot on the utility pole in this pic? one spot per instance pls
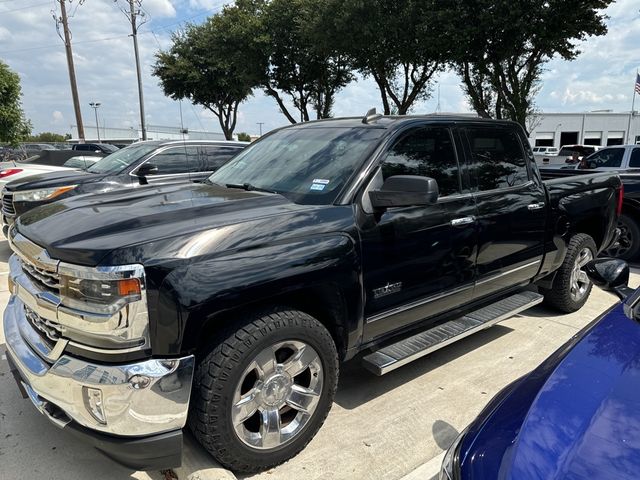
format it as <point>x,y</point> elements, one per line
<point>260,123</point>
<point>72,71</point>
<point>132,15</point>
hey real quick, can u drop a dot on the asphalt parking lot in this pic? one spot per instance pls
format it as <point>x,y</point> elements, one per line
<point>392,427</point>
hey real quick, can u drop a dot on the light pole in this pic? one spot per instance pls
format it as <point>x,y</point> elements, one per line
<point>260,123</point>
<point>95,106</point>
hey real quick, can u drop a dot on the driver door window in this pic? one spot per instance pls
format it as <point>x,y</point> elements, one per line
<point>427,152</point>
<point>606,158</point>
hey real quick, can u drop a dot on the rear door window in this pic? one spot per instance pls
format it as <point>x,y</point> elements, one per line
<point>176,160</point>
<point>498,160</point>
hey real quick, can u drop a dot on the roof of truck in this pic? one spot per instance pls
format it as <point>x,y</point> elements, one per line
<point>387,121</point>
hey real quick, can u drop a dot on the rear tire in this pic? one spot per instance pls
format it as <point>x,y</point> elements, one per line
<point>571,286</point>
<point>264,390</point>
<point>628,244</point>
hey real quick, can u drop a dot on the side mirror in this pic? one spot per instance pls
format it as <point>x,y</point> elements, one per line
<point>147,169</point>
<point>610,274</point>
<point>405,191</point>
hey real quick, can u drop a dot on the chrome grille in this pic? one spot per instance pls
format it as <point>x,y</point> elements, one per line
<point>46,279</point>
<point>7,205</point>
<point>52,330</point>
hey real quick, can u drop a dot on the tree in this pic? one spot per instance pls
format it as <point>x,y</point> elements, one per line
<point>401,45</point>
<point>210,65</point>
<point>303,64</point>
<point>503,46</point>
<point>13,124</point>
<point>49,137</point>
<point>244,137</point>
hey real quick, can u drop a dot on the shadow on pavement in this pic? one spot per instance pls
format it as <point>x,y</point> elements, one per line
<point>358,386</point>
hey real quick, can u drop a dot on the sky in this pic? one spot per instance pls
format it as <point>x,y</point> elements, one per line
<point>601,78</point>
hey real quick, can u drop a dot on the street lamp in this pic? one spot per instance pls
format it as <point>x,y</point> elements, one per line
<point>95,106</point>
<point>260,123</point>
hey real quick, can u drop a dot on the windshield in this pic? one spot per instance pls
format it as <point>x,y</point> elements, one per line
<point>109,147</point>
<point>306,165</point>
<point>121,159</point>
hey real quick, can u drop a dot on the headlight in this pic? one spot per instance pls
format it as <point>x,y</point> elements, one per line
<point>451,463</point>
<point>41,194</point>
<point>104,307</point>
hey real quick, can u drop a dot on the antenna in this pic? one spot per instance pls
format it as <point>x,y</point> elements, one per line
<point>370,116</point>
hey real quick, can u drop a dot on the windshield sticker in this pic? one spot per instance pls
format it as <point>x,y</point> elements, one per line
<point>317,186</point>
<point>321,181</point>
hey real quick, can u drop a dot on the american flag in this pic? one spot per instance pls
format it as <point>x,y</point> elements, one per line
<point>638,83</point>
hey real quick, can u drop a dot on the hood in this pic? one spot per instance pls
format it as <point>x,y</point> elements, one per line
<point>51,179</point>
<point>585,422</point>
<point>83,229</point>
<point>577,416</point>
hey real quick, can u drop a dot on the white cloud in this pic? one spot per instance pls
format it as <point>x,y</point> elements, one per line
<point>159,8</point>
<point>57,118</point>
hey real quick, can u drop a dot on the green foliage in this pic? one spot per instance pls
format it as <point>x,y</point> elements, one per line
<point>244,137</point>
<point>49,137</point>
<point>213,65</point>
<point>14,127</point>
<point>503,46</point>
<point>401,45</point>
<point>303,65</point>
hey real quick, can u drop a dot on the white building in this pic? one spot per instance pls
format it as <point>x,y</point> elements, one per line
<point>130,135</point>
<point>590,128</point>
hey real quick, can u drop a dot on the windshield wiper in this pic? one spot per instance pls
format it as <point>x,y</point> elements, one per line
<point>248,187</point>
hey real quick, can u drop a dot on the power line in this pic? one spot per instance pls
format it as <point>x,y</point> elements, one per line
<point>25,8</point>
<point>56,46</point>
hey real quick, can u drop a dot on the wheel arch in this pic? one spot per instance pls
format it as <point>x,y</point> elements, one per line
<point>325,302</point>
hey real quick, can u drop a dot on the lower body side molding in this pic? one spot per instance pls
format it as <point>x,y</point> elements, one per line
<point>393,356</point>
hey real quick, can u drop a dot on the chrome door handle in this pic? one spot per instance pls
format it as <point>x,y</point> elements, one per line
<point>458,222</point>
<point>536,206</point>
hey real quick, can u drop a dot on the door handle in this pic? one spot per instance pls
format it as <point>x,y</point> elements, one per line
<point>458,222</point>
<point>536,206</point>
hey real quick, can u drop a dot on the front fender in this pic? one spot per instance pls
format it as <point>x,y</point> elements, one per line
<point>194,293</point>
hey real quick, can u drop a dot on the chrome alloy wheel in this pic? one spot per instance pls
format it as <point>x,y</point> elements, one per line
<point>277,394</point>
<point>579,280</point>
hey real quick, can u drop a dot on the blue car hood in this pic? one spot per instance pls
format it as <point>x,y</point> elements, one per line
<point>580,413</point>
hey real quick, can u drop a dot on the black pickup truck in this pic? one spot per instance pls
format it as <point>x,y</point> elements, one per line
<point>229,305</point>
<point>625,161</point>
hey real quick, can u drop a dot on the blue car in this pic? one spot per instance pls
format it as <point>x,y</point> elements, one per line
<point>576,416</point>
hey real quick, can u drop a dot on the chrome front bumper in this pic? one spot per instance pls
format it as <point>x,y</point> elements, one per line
<point>138,399</point>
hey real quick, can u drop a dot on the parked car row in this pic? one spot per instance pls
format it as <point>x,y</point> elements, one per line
<point>226,303</point>
<point>138,164</point>
<point>625,161</point>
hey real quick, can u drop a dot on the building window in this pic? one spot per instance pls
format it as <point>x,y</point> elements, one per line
<point>569,138</point>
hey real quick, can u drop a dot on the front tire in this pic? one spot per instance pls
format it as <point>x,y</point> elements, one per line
<point>571,287</point>
<point>264,390</point>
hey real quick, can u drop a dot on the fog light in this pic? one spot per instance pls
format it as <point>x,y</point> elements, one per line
<point>93,403</point>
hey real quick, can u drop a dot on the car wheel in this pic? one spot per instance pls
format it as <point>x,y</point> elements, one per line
<point>264,390</point>
<point>571,287</point>
<point>628,243</point>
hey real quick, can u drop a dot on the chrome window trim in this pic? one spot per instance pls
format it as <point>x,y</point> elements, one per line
<point>527,184</point>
